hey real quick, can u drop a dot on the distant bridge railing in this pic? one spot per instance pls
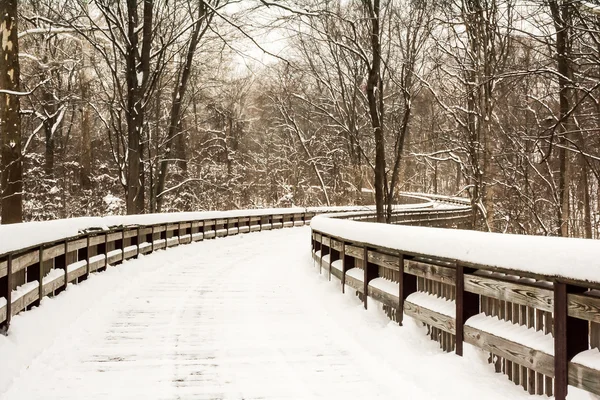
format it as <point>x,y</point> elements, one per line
<point>40,259</point>
<point>532,303</point>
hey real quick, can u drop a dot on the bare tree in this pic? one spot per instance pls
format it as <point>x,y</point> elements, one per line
<point>11,182</point>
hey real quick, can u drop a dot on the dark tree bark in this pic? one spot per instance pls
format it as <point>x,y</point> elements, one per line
<point>561,15</point>
<point>11,180</point>
<point>138,70</point>
<point>178,94</point>
<point>374,96</point>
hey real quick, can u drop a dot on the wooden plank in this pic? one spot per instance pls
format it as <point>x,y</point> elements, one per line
<point>517,293</point>
<point>23,261</point>
<point>584,307</point>
<point>129,233</point>
<point>96,240</point>
<point>337,273</point>
<point>3,268</point>
<point>430,317</point>
<point>431,272</point>
<point>114,236</point>
<point>354,251</point>
<point>384,260</point>
<point>74,245</point>
<point>159,228</point>
<point>354,283</point>
<point>145,230</point>
<point>584,378</point>
<point>383,297</point>
<point>336,245</point>
<point>50,287</point>
<point>515,352</point>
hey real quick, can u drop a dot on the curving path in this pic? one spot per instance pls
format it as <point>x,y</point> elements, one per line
<point>245,317</point>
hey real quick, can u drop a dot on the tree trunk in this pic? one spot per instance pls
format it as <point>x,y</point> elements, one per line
<point>373,83</point>
<point>561,14</point>
<point>137,78</point>
<point>176,105</point>
<point>11,178</point>
<point>85,157</point>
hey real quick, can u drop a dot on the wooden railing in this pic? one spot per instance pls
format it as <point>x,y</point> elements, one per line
<point>542,331</point>
<point>30,273</point>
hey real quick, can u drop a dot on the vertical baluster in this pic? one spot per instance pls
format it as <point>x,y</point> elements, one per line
<point>570,337</point>
<point>467,305</point>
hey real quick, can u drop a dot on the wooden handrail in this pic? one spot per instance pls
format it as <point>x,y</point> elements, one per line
<point>71,259</point>
<point>481,305</point>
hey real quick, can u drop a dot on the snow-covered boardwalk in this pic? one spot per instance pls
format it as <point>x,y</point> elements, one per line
<point>244,317</point>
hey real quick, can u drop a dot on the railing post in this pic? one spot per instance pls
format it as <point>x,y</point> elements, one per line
<point>371,271</point>
<point>407,284</point>
<point>137,242</point>
<point>33,274</point>
<point>106,250</point>
<point>8,292</point>
<point>333,256</point>
<point>40,276</point>
<point>347,263</point>
<point>321,262</point>
<point>122,244</point>
<point>65,264</point>
<point>467,305</point>
<point>320,248</point>
<point>570,337</point>
<point>87,257</point>
<point>152,239</point>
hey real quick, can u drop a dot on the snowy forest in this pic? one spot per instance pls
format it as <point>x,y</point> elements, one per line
<point>144,106</point>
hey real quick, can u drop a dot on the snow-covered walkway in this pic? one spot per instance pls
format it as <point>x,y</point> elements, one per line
<point>244,317</point>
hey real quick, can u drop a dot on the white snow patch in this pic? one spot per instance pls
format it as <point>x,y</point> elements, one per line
<point>589,358</point>
<point>433,303</point>
<point>337,264</point>
<point>551,256</point>
<point>113,253</point>
<point>22,290</point>
<point>97,258</point>
<point>130,248</point>
<point>386,285</point>
<point>356,273</point>
<point>76,265</point>
<point>54,274</point>
<point>515,333</point>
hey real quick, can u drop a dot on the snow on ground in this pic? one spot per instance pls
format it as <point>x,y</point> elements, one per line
<point>552,256</point>
<point>243,317</point>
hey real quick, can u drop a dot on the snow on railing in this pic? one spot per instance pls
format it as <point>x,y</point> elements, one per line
<point>531,303</point>
<point>43,258</point>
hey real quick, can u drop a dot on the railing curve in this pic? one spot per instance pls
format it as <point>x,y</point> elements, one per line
<point>532,303</point>
<point>42,259</point>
